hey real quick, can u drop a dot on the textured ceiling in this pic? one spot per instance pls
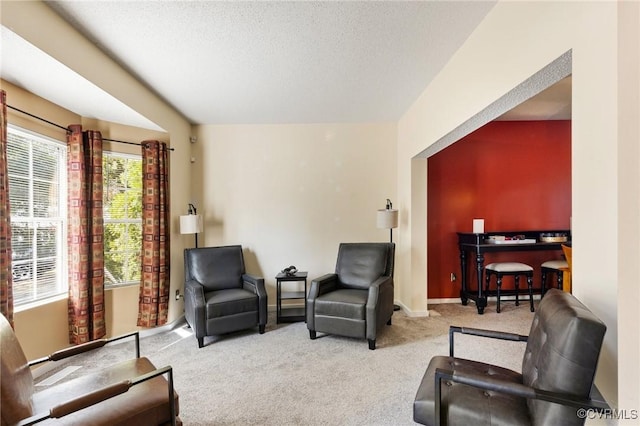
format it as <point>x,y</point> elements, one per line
<point>273,62</point>
<point>264,62</point>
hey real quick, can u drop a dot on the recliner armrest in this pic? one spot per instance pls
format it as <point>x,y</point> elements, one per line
<point>382,281</point>
<point>511,388</point>
<point>322,285</point>
<point>254,283</point>
<point>194,306</point>
<point>375,288</point>
<point>493,334</point>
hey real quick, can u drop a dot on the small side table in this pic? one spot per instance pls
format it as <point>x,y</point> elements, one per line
<point>291,313</point>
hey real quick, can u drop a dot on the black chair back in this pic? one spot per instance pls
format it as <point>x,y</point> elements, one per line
<point>216,268</point>
<point>562,353</point>
<point>359,264</point>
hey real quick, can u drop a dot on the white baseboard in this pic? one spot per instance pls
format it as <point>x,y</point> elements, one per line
<point>443,300</point>
<point>411,313</point>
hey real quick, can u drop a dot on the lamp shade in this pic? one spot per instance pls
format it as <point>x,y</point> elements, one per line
<point>387,218</point>
<point>191,224</point>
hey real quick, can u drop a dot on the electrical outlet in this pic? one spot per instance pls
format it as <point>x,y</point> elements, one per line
<point>453,277</point>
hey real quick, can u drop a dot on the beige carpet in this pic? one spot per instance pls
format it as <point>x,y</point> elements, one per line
<point>284,378</point>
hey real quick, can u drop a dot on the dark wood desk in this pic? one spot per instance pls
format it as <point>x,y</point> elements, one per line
<point>474,244</point>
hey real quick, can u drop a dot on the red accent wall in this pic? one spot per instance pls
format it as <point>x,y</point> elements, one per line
<point>516,175</point>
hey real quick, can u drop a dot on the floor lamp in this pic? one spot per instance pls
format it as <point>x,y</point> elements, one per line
<point>191,223</point>
<point>387,218</point>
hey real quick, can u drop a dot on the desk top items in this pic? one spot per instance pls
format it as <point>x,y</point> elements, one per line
<point>290,271</point>
<point>513,239</point>
<point>554,237</point>
<point>545,237</point>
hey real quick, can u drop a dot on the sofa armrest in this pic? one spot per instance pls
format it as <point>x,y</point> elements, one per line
<point>104,394</point>
<point>511,388</point>
<point>492,334</point>
<point>86,347</point>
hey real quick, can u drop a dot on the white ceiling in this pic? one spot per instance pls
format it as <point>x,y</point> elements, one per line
<point>256,61</point>
<point>30,68</point>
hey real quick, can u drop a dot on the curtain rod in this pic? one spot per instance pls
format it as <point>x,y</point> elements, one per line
<point>66,129</point>
<point>38,118</point>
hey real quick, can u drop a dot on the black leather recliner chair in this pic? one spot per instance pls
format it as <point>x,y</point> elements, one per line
<point>356,300</point>
<point>555,387</point>
<point>220,297</point>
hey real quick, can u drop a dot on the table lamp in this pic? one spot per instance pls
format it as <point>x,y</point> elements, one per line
<point>388,219</point>
<point>191,223</point>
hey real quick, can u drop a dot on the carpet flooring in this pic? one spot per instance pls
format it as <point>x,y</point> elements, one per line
<point>284,378</point>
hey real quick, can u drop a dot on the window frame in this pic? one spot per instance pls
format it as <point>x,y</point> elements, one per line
<point>31,221</point>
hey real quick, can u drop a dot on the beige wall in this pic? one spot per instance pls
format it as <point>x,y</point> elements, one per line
<point>629,204</point>
<point>515,40</point>
<point>290,193</point>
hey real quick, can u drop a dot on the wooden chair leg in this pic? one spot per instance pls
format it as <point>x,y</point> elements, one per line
<point>566,280</point>
<point>499,285</point>
<point>530,285</point>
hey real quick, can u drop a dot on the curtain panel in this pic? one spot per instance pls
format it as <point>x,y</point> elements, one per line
<point>85,236</point>
<point>153,308</point>
<point>6,278</point>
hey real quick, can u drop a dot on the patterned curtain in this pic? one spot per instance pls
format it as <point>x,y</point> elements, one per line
<point>6,284</point>
<point>153,306</point>
<point>85,235</point>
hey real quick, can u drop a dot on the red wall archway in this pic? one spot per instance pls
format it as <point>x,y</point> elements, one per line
<point>514,174</point>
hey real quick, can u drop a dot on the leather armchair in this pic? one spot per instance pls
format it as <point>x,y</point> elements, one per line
<point>357,299</point>
<point>558,368</point>
<point>132,392</point>
<point>220,297</point>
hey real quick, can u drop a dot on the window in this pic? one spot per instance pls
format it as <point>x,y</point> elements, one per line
<point>37,193</point>
<point>122,176</point>
<point>37,170</point>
